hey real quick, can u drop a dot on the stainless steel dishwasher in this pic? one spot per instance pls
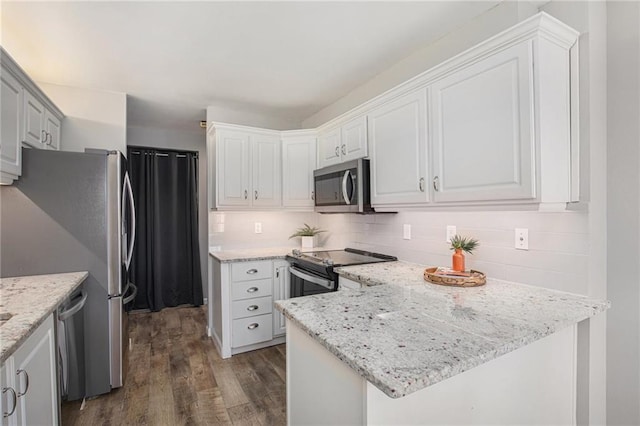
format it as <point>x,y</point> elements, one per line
<point>71,362</point>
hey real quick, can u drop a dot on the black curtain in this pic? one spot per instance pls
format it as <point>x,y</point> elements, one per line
<point>166,258</point>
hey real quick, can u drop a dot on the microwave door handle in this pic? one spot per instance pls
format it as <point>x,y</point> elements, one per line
<point>132,239</point>
<point>315,280</point>
<point>345,195</point>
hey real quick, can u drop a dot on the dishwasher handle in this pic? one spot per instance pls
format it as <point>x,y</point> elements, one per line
<point>64,314</point>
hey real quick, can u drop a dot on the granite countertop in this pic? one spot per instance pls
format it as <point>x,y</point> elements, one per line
<point>405,337</point>
<point>29,300</point>
<point>248,255</point>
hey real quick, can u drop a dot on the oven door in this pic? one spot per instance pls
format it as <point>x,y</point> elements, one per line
<point>305,283</point>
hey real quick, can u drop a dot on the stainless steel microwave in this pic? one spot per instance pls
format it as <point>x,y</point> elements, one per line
<point>343,188</point>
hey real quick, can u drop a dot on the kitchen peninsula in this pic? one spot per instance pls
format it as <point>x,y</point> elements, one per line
<point>404,351</point>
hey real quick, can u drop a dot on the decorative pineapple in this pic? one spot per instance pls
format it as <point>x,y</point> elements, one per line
<point>461,244</point>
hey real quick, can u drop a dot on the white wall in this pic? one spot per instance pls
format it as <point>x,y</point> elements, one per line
<point>187,141</point>
<point>567,249</point>
<point>93,118</point>
<point>623,187</point>
<point>249,117</point>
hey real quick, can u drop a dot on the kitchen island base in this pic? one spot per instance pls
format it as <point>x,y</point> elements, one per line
<point>535,384</point>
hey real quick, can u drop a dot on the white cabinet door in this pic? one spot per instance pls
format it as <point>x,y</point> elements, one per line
<point>298,164</point>
<point>10,132</point>
<point>329,147</point>
<point>34,366</point>
<point>7,401</point>
<point>34,133</point>
<point>482,128</point>
<point>52,129</point>
<point>354,139</point>
<point>233,168</point>
<point>266,187</point>
<point>280,292</point>
<point>397,137</point>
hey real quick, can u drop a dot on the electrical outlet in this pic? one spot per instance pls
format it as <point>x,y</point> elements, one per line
<point>451,231</point>
<point>522,239</point>
<point>406,231</point>
<point>258,227</point>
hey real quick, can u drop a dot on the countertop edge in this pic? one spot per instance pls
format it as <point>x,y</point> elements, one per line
<point>33,326</point>
<point>465,365</point>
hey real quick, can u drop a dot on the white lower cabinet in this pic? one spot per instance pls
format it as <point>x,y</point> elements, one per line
<point>30,375</point>
<point>242,316</point>
<point>281,291</point>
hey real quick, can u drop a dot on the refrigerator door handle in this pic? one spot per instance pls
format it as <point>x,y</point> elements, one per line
<point>132,205</point>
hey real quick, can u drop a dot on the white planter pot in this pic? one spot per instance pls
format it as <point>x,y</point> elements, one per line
<point>308,242</point>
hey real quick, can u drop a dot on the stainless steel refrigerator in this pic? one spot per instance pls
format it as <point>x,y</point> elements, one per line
<point>74,211</point>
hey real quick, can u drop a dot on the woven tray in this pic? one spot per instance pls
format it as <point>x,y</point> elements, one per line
<point>476,279</point>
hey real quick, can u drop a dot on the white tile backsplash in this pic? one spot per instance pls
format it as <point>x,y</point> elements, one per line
<point>558,242</point>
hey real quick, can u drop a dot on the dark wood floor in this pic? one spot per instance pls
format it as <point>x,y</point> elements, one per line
<point>176,377</point>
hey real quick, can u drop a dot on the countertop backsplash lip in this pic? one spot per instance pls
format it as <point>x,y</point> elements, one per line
<point>489,321</point>
<point>30,300</point>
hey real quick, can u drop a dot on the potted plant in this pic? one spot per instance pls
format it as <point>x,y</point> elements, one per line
<point>308,235</point>
<point>461,244</point>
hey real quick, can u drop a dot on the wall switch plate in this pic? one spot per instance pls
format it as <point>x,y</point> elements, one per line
<point>406,231</point>
<point>522,239</point>
<point>258,227</point>
<point>451,231</point>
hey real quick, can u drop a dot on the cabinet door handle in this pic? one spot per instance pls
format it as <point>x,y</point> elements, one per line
<point>256,195</point>
<point>43,139</point>
<point>277,273</point>
<point>344,149</point>
<point>252,271</point>
<point>337,151</point>
<point>15,401</point>
<point>421,184</point>
<point>246,194</point>
<point>436,182</point>
<point>253,326</point>
<point>252,289</point>
<point>252,308</point>
<point>313,195</point>
<point>26,379</point>
<point>49,139</point>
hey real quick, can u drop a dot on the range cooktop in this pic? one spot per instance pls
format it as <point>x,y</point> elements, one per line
<point>344,257</point>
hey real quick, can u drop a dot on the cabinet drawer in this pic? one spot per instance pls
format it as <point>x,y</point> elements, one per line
<point>247,331</point>
<point>252,307</point>
<point>251,289</point>
<point>246,271</point>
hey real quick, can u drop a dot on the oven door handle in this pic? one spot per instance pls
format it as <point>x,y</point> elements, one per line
<point>328,284</point>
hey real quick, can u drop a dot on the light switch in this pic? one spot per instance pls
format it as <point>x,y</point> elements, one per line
<point>522,239</point>
<point>451,231</point>
<point>406,231</point>
<point>258,227</point>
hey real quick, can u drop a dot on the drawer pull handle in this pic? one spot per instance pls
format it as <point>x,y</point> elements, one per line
<point>15,401</point>
<point>26,379</point>
<point>252,308</point>
<point>252,271</point>
<point>252,326</point>
<point>252,289</point>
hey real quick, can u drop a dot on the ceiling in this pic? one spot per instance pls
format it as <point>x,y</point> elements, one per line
<point>280,59</point>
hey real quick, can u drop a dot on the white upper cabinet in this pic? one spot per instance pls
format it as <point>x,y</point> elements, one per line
<point>11,128</point>
<point>354,139</point>
<point>298,164</point>
<point>267,190</point>
<point>481,121</point>
<point>233,168</point>
<point>28,118</point>
<point>329,144</point>
<point>397,133</point>
<point>244,168</point>
<point>343,143</point>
